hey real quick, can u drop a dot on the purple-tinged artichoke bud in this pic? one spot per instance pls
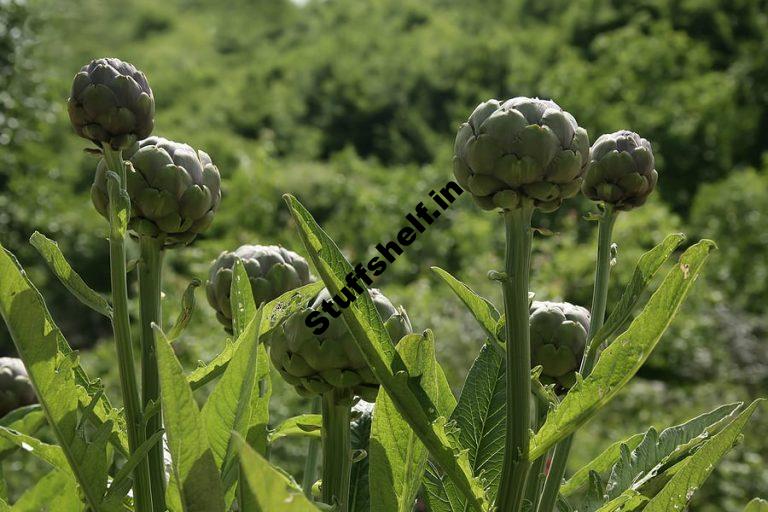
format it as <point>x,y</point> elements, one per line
<point>621,170</point>
<point>111,102</point>
<point>522,150</point>
<point>174,190</point>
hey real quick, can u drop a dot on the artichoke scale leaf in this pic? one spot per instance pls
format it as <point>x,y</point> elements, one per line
<point>377,348</point>
<point>624,357</point>
<point>757,505</point>
<point>64,272</point>
<point>398,458</point>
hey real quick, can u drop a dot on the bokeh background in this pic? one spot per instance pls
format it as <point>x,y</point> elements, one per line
<point>352,105</point>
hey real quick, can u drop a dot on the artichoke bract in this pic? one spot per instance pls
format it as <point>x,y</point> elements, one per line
<point>111,102</point>
<point>525,149</point>
<point>15,388</point>
<point>174,190</point>
<point>621,170</point>
<point>558,339</point>
<point>271,270</point>
<point>318,363</point>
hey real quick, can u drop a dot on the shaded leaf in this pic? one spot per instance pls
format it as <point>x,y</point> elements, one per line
<point>55,492</point>
<point>305,425</point>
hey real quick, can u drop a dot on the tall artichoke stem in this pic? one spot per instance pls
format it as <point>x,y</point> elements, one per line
<point>122,334</point>
<point>514,285</point>
<point>150,284</point>
<point>310,464</point>
<point>599,300</point>
<point>337,449</point>
<point>537,476</point>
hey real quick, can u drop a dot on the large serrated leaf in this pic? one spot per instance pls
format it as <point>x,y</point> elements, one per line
<point>479,416</point>
<point>50,453</point>
<point>600,464</point>
<point>397,457</point>
<point>54,492</point>
<point>624,357</point>
<point>53,374</point>
<point>686,480</point>
<point>194,467</point>
<point>374,343</point>
<point>26,420</point>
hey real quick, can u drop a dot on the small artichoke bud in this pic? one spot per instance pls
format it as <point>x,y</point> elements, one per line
<point>558,339</point>
<point>174,190</point>
<point>15,388</point>
<point>522,150</point>
<point>621,170</point>
<point>272,271</point>
<point>318,363</point>
<point>111,102</point>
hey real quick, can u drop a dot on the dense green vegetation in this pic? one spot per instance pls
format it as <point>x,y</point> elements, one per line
<point>352,106</point>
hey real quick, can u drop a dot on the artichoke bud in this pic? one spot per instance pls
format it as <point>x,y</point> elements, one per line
<point>525,150</point>
<point>558,339</point>
<point>317,363</point>
<point>271,270</point>
<point>174,190</point>
<point>111,102</point>
<point>15,388</point>
<point>621,170</point>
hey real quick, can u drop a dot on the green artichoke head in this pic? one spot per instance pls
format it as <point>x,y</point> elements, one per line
<point>621,170</point>
<point>15,388</point>
<point>558,338</point>
<point>315,364</point>
<point>111,102</point>
<point>174,190</point>
<point>525,150</point>
<point>272,271</point>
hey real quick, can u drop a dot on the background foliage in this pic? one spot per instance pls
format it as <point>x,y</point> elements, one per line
<point>352,107</point>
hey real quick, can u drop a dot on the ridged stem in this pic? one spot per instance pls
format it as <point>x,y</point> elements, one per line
<point>537,476</point>
<point>337,450</point>
<point>599,301</point>
<point>122,333</point>
<point>310,464</point>
<point>150,284</point>
<point>514,285</point>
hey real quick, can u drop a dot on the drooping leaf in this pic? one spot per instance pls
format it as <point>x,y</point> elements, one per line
<point>26,420</point>
<point>479,418</point>
<point>374,343</point>
<point>695,470</point>
<point>655,447</point>
<point>61,268</point>
<point>621,360</point>
<point>50,453</point>
<point>397,457</point>
<point>274,311</point>
<point>52,373</point>
<point>55,492</point>
<point>647,267</point>
<point>185,315</point>
<point>600,464</point>
<point>272,489</point>
<point>304,425</point>
<point>194,466</point>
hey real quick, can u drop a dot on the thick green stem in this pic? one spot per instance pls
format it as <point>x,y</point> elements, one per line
<point>310,464</point>
<point>516,310</point>
<point>599,302</point>
<point>122,334</point>
<point>537,476</point>
<point>150,284</point>
<point>337,450</point>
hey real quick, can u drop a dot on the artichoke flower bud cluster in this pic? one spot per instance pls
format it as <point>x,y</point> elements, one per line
<point>621,170</point>
<point>15,388</point>
<point>558,339</point>
<point>111,102</point>
<point>174,190</point>
<point>522,150</point>
<point>316,364</point>
<point>271,270</point>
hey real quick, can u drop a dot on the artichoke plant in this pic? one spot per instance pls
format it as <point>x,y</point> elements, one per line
<point>111,102</point>
<point>558,338</point>
<point>272,271</point>
<point>315,364</point>
<point>621,170</point>
<point>522,149</point>
<point>174,190</point>
<point>15,388</point>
